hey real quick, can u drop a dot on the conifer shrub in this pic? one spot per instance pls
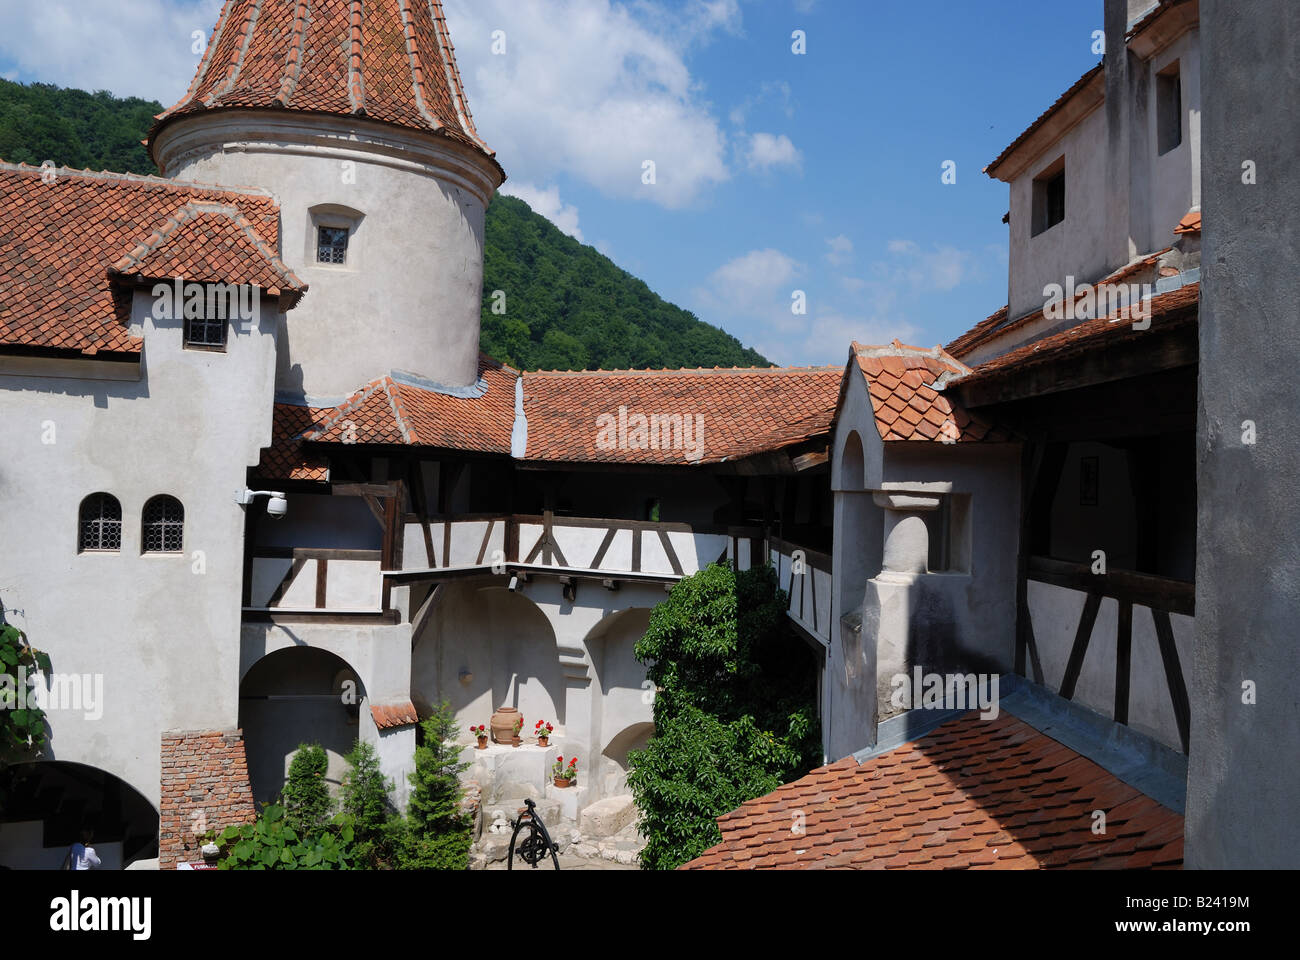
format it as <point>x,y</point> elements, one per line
<point>306,795</point>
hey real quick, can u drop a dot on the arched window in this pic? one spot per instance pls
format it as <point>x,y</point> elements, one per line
<point>164,523</point>
<point>100,523</point>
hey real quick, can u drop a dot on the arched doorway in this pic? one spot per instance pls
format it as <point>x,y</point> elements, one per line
<point>45,804</point>
<point>294,696</point>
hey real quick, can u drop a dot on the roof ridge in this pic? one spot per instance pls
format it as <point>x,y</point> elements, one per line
<point>294,56</point>
<point>678,371</point>
<point>417,67</point>
<point>356,83</point>
<point>234,68</point>
<point>145,179</point>
<point>189,211</point>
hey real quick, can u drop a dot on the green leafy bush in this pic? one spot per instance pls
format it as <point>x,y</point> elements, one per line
<point>306,795</point>
<point>22,722</point>
<point>734,713</point>
<point>270,843</point>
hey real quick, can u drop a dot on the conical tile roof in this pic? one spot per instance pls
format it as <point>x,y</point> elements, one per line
<point>386,60</point>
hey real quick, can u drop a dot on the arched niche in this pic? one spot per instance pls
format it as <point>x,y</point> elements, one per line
<point>294,696</point>
<point>47,803</point>
<point>484,647</point>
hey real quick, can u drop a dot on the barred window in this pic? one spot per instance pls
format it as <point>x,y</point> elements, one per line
<point>100,523</point>
<point>164,522</point>
<point>205,332</point>
<point>331,245</point>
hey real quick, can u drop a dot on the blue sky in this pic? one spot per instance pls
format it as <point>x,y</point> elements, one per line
<point>774,172</point>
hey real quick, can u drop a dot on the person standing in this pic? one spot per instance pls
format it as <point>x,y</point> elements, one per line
<point>81,855</point>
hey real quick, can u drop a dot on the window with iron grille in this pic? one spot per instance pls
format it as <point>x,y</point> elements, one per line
<point>100,523</point>
<point>204,332</point>
<point>164,522</point>
<point>331,245</point>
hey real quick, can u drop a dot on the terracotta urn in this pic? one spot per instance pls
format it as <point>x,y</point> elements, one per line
<point>503,724</point>
<point>562,783</point>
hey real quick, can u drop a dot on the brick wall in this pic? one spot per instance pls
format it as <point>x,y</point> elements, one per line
<point>204,784</point>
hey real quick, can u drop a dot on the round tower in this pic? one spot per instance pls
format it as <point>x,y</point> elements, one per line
<point>351,112</point>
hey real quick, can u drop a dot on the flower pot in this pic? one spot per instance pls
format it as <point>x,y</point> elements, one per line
<point>543,741</point>
<point>503,724</point>
<point>562,783</point>
<point>515,741</point>
<point>482,743</point>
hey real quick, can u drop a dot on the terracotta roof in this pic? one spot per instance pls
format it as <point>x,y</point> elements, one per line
<point>1175,307</point>
<point>1191,222</point>
<point>996,325</point>
<point>285,459</point>
<point>993,794</point>
<point>901,381</point>
<point>389,715</point>
<point>58,241</point>
<point>396,410</point>
<point>385,60</point>
<point>210,243</point>
<point>1061,101</point>
<point>745,411</point>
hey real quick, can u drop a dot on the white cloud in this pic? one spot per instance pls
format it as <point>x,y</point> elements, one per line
<point>142,48</point>
<point>593,89</point>
<point>547,202</point>
<point>758,282</point>
<point>768,151</point>
<point>942,267</point>
<point>841,250</point>
<point>777,91</point>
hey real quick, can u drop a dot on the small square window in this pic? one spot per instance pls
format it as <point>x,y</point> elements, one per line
<point>332,245</point>
<point>205,333</point>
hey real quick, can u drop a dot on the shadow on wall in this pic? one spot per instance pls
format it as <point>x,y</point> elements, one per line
<point>293,696</point>
<point>613,760</point>
<point>486,647</point>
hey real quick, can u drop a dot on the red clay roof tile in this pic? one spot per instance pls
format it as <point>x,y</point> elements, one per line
<point>743,411</point>
<point>59,239</point>
<point>385,60</point>
<point>1022,801</point>
<point>901,382</point>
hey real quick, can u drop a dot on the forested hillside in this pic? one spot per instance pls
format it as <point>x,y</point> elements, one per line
<point>566,307</point>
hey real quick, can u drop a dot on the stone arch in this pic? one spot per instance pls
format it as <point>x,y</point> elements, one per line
<point>620,702</point>
<point>292,696</point>
<point>48,802</point>
<point>484,647</point>
<point>852,464</point>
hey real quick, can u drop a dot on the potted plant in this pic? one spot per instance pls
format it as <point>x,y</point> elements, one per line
<point>542,730</point>
<point>561,775</point>
<point>519,725</point>
<point>480,734</point>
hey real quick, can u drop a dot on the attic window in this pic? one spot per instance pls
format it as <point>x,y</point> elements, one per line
<point>332,245</point>
<point>1049,197</point>
<point>205,333</point>
<point>1169,108</point>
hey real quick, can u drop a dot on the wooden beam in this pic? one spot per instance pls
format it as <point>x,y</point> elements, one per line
<point>1081,638</point>
<point>315,553</point>
<point>1123,654</point>
<point>322,579</point>
<point>604,547</point>
<point>672,554</point>
<point>1142,589</point>
<point>294,569</point>
<point>1174,675</point>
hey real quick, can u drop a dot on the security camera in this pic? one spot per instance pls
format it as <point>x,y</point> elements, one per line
<point>277,507</point>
